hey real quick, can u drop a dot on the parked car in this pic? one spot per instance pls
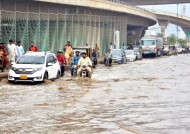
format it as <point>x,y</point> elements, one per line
<point>35,67</point>
<point>119,56</point>
<point>185,50</point>
<point>131,55</point>
<point>138,52</point>
<point>167,50</point>
<point>179,49</point>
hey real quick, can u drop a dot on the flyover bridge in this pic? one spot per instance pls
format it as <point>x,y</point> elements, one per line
<point>154,2</point>
<point>164,18</point>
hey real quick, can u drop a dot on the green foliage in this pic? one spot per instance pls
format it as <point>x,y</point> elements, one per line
<point>172,39</point>
<point>182,42</point>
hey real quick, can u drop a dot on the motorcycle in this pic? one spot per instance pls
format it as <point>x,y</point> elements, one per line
<point>107,63</point>
<point>84,72</point>
<point>75,70</point>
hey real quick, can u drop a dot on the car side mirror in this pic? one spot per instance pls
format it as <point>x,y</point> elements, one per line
<point>12,63</point>
<point>49,64</point>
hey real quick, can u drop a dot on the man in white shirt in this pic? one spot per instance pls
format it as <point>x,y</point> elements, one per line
<point>85,61</point>
<point>20,50</point>
<point>12,51</point>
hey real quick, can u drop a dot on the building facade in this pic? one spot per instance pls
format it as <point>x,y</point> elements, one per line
<point>50,25</point>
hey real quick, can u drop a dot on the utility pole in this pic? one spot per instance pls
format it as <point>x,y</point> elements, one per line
<point>184,10</point>
<point>177,22</point>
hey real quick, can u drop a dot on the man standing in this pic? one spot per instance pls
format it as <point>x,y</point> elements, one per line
<point>74,62</point>
<point>62,62</point>
<point>94,57</point>
<point>111,46</point>
<point>12,51</point>
<point>97,48</point>
<point>33,47</point>
<point>68,51</point>
<point>85,61</point>
<point>20,50</point>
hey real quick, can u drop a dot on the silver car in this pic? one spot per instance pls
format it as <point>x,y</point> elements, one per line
<point>119,56</point>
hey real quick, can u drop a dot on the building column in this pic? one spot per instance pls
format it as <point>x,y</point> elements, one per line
<point>164,25</point>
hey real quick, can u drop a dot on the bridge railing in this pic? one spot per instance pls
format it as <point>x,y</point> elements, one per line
<point>169,14</point>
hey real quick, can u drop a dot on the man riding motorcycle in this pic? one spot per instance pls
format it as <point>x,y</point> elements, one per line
<point>84,61</point>
<point>74,62</point>
<point>108,56</point>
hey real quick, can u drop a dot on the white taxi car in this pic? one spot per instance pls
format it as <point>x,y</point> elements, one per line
<point>35,67</point>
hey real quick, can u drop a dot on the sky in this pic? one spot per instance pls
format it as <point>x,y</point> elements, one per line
<point>171,8</point>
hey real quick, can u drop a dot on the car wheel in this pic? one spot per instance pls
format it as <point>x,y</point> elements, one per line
<point>122,62</point>
<point>10,81</point>
<point>45,76</point>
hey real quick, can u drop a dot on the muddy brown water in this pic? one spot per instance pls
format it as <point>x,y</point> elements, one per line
<point>151,96</point>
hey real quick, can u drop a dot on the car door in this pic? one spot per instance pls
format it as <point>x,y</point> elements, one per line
<point>49,68</point>
<point>55,66</point>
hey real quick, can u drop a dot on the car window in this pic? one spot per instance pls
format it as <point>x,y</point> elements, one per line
<point>51,59</point>
<point>29,59</point>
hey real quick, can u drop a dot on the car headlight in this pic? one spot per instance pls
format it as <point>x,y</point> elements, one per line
<point>37,69</point>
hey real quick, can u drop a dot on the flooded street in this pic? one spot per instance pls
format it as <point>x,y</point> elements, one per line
<point>151,96</point>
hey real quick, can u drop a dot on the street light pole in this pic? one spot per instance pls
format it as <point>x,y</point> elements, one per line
<point>177,22</point>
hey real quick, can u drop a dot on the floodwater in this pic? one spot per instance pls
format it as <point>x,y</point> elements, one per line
<point>151,96</point>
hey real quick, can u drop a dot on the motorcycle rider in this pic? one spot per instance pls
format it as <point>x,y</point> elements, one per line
<point>94,57</point>
<point>85,61</point>
<point>108,56</point>
<point>62,62</point>
<point>74,62</point>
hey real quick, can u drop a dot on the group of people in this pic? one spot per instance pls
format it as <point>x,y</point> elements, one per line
<point>79,59</point>
<point>12,52</point>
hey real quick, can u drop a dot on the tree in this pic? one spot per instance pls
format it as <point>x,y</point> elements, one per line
<point>182,42</point>
<point>172,39</point>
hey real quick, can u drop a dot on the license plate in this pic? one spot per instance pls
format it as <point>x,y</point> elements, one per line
<point>23,77</point>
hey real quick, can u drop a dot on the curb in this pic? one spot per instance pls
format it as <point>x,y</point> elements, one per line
<point>3,74</point>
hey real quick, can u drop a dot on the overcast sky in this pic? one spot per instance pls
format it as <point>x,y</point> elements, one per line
<point>171,8</point>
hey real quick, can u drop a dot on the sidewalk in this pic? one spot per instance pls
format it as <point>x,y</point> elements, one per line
<point>3,74</point>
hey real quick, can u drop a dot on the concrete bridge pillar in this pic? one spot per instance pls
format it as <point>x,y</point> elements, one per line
<point>135,33</point>
<point>164,25</point>
<point>187,32</point>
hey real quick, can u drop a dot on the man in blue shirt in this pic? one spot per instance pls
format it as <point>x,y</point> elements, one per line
<point>74,62</point>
